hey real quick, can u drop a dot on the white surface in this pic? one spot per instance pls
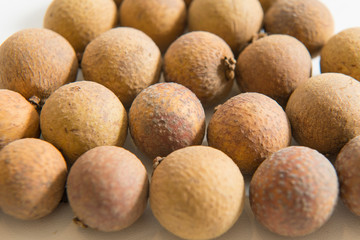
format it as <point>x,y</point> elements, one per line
<point>19,14</point>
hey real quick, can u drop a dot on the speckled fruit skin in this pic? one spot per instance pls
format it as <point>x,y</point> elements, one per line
<point>324,112</point>
<point>83,115</point>
<point>248,128</point>
<point>347,165</point>
<point>165,117</point>
<point>18,118</point>
<point>310,21</point>
<point>197,192</point>
<point>108,188</point>
<point>162,20</point>
<point>274,65</point>
<point>35,62</point>
<point>235,21</point>
<point>80,21</point>
<point>266,4</point>
<point>123,59</point>
<point>342,53</point>
<point>294,191</point>
<point>197,60</point>
<point>32,178</point>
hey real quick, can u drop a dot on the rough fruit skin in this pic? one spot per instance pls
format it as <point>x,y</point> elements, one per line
<point>324,112</point>
<point>165,117</point>
<point>18,118</point>
<point>197,61</point>
<point>35,62</point>
<point>32,178</point>
<point>310,21</point>
<point>80,21</point>
<point>108,188</point>
<point>294,191</point>
<point>274,65</point>
<point>347,165</point>
<point>197,192</point>
<point>124,60</point>
<point>249,128</point>
<point>235,21</point>
<point>162,20</point>
<point>83,115</point>
<point>342,53</point>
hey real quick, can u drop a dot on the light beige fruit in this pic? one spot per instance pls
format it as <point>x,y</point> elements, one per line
<point>18,118</point>
<point>32,178</point>
<point>324,112</point>
<point>342,53</point>
<point>83,115</point>
<point>202,62</point>
<point>165,117</point>
<point>235,21</point>
<point>162,20</point>
<point>249,128</point>
<point>273,65</point>
<point>35,62</point>
<point>80,21</point>
<point>310,21</point>
<point>347,165</point>
<point>294,192</point>
<point>124,60</point>
<point>197,192</point>
<point>108,188</point>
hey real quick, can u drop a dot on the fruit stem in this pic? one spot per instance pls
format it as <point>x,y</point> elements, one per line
<point>229,64</point>
<point>36,102</point>
<point>78,222</point>
<point>157,161</point>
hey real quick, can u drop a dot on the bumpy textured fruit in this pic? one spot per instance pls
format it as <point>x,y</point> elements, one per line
<point>124,60</point>
<point>35,62</point>
<point>235,21</point>
<point>249,127</point>
<point>83,115</point>
<point>347,165</point>
<point>80,21</point>
<point>202,62</point>
<point>162,20</point>
<point>18,118</point>
<point>197,192</point>
<point>32,178</point>
<point>274,65</point>
<point>324,112</point>
<point>108,188</point>
<point>165,117</point>
<point>342,53</point>
<point>310,21</point>
<point>294,191</point>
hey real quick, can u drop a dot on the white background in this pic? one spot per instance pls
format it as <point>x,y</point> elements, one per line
<point>19,14</point>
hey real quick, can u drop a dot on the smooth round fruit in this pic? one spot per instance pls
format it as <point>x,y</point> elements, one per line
<point>310,21</point>
<point>165,117</point>
<point>80,21</point>
<point>342,53</point>
<point>197,192</point>
<point>235,21</point>
<point>162,20</point>
<point>294,191</point>
<point>324,112</point>
<point>273,65</point>
<point>32,178</point>
<point>347,165</point>
<point>124,60</point>
<point>18,118</point>
<point>35,62</point>
<point>108,188</point>
<point>83,115</point>
<point>202,62</point>
<point>266,4</point>
<point>248,128</point>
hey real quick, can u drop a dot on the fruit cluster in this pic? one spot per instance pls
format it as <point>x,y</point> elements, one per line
<point>59,136</point>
